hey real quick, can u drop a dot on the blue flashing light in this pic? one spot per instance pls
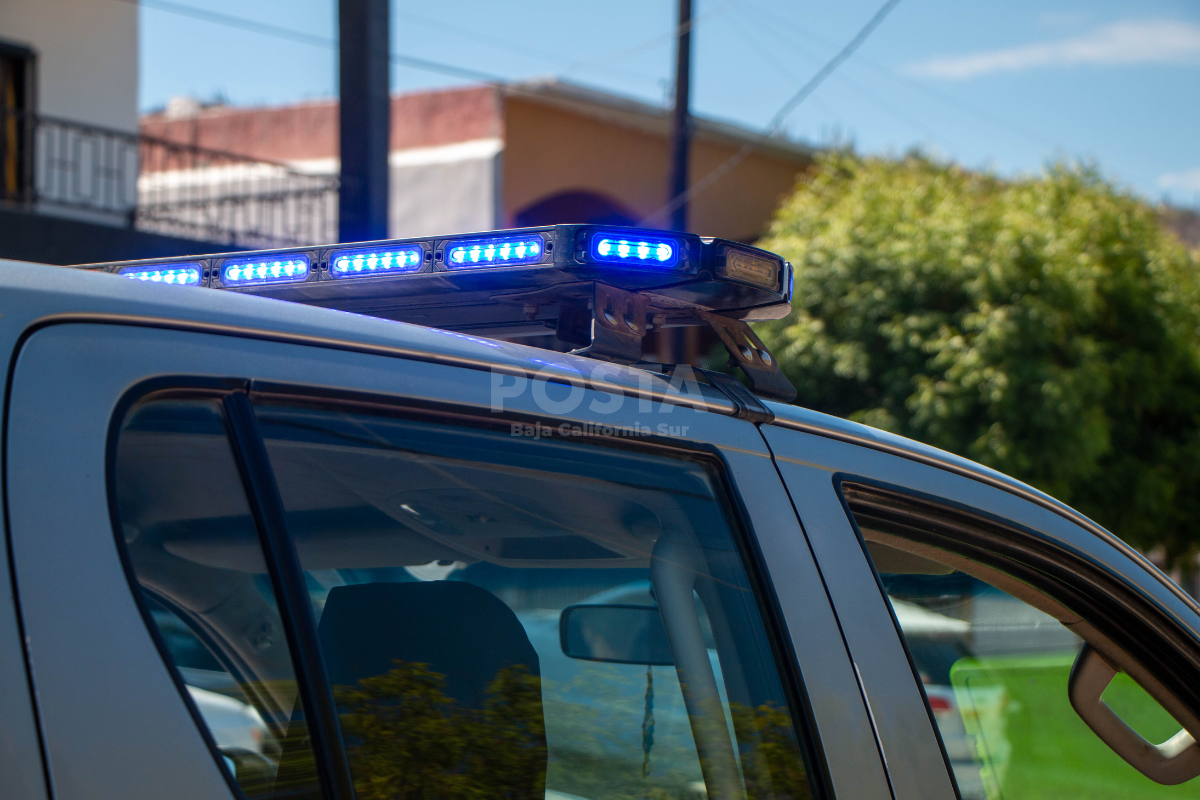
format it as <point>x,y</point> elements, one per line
<point>494,252</point>
<point>291,268</point>
<point>183,274</point>
<point>620,248</point>
<point>375,261</point>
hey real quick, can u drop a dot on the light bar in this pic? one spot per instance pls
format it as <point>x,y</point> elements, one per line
<point>184,274</point>
<point>750,268</point>
<point>375,261</point>
<point>289,268</point>
<point>620,248</point>
<point>494,252</point>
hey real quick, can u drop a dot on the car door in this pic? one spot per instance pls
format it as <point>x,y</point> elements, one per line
<point>1005,642</point>
<point>167,491</point>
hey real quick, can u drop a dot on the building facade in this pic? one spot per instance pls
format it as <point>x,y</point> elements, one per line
<point>82,178</point>
<point>524,154</point>
<point>80,183</point>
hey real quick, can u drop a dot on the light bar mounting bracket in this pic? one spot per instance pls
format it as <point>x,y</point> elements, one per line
<point>618,321</point>
<point>618,325</point>
<point>747,351</point>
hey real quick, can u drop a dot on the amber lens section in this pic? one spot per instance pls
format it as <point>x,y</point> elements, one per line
<point>753,269</point>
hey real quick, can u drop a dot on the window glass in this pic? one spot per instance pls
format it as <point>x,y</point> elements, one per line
<point>196,558</point>
<point>994,669</point>
<point>505,617</point>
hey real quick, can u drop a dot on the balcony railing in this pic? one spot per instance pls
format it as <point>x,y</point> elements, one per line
<point>161,186</point>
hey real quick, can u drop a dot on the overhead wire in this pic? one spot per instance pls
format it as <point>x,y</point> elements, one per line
<point>783,23</point>
<point>330,43</point>
<point>494,80</point>
<point>780,116</point>
<point>310,39</point>
<point>654,41</point>
<point>484,39</point>
<point>763,53</point>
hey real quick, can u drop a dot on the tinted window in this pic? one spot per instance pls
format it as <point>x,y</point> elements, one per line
<point>439,560</point>
<point>994,668</point>
<point>198,566</point>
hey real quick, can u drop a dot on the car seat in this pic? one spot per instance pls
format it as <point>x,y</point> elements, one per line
<point>465,635</point>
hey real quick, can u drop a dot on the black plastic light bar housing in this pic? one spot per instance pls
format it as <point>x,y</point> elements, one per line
<point>705,276</point>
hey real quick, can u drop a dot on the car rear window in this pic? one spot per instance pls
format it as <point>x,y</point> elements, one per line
<point>497,616</point>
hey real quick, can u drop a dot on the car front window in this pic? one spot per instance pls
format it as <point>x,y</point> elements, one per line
<point>996,659</point>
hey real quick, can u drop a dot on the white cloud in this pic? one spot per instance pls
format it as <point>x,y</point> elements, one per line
<point>1130,42</point>
<point>1188,180</point>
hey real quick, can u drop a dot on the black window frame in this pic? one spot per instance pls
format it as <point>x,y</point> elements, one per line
<point>287,578</point>
<point>1103,598</point>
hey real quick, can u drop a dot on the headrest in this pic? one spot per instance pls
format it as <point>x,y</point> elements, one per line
<point>459,630</point>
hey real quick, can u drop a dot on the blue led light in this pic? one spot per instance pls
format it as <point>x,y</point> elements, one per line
<point>185,274</point>
<point>621,248</point>
<point>376,261</point>
<point>290,268</point>
<point>494,252</point>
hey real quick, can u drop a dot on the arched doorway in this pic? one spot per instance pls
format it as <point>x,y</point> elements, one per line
<point>577,206</point>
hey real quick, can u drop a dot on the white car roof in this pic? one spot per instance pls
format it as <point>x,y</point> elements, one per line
<point>36,294</point>
<point>33,293</point>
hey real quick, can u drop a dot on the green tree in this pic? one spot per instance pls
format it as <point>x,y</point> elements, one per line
<point>1044,326</point>
<point>407,740</point>
<point>772,766</point>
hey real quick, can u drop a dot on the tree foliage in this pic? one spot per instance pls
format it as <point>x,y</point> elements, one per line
<point>1044,326</point>
<point>407,740</point>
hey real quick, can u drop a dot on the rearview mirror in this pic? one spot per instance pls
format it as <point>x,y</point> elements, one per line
<point>618,634</point>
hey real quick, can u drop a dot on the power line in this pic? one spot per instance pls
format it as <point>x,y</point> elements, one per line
<point>971,110</point>
<point>780,116</point>
<point>654,41</point>
<point>309,39</point>
<point>774,63</point>
<point>328,43</point>
<point>762,52</point>
<point>235,22</point>
<point>488,41</point>
<point>844,77</point>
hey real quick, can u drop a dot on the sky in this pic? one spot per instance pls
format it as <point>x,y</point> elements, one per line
<point>1005,86</point>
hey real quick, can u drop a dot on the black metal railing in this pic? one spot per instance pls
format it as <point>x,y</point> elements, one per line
<point>162,186</point>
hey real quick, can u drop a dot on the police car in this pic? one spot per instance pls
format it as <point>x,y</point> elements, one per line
<point>260,547</point>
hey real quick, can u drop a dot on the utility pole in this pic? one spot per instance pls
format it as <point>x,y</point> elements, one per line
<point>364,119</point>
<point>674,344</point>
<point>681,120</point>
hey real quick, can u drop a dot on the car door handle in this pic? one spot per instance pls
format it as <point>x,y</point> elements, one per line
<point>1174,761</point>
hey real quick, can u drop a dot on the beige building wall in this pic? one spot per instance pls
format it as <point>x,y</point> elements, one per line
<point>87,57</point>
<point>552,148</point>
